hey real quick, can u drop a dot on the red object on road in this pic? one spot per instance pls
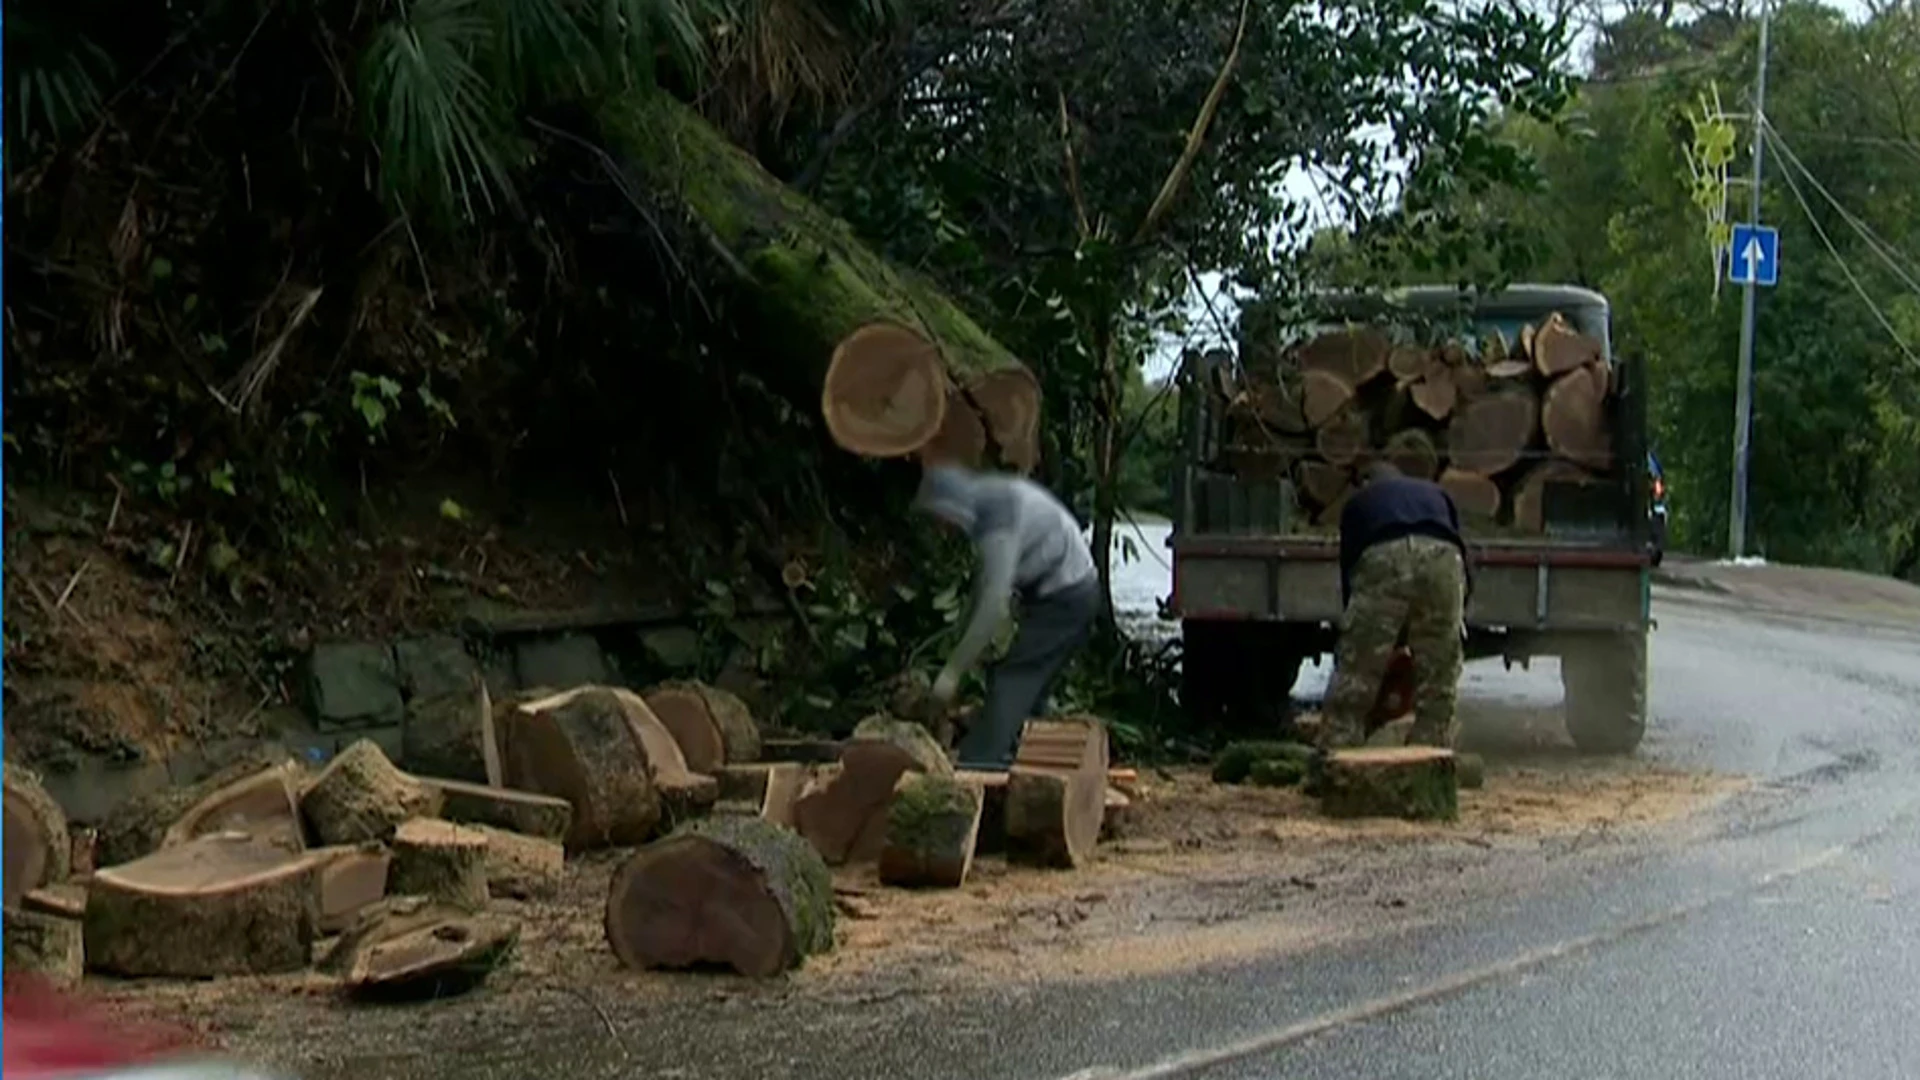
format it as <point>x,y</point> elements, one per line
<point>50,1034</point>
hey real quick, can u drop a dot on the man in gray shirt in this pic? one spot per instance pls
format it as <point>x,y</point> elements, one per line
<point>1027,543</point>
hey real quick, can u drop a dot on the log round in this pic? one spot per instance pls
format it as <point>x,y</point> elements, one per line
<point>932,827</point>
<point>1344,438</point>
<point>444,862</point>
<point>886,391</point>
<point>1530,494</point>
<point>1489,435</point>
<point>844,818</point>
<point>1573,415</point>
<point>713,727</point>
<point>1009,400</point>
<point>1057,792</point>
<point>1412,451</point>
<point>362,796</point>
<point>579,746</point>
<point>962,438</point>
<point>1413,782</point>
<point>1322,395</point>
<point>1475,496</point>
<point>1559,348</point>
<point>737,892</point>
<point>38,850</point>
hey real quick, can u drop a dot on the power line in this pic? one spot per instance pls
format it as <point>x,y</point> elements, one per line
<point>1885,323</point>
<point>1892,256</point>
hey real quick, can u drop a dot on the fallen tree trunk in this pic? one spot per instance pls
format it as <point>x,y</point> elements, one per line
<point>932,827</point>
<point>37,849</point>
<point>815,284</point>
<point>736,891</point>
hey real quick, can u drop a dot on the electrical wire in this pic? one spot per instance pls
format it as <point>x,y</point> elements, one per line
<point>1892,256</point>
<point>1885,323</point>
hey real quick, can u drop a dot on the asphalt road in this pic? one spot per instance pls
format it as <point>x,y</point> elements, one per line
<point>1773,937</point>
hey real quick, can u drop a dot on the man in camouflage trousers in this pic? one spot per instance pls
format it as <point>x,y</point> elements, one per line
<point>1403,575</point>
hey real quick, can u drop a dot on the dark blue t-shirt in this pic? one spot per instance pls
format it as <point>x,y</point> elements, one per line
<point>1390,509</point>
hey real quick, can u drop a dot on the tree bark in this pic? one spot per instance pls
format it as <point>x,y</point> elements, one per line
<point>37,848</point>
<point>1412,782</point>
<point>932,827</point>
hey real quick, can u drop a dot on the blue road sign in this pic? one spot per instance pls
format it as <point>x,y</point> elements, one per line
<point>1754,256</point>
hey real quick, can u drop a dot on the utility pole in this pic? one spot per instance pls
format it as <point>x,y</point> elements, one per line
<point>1743,393</point>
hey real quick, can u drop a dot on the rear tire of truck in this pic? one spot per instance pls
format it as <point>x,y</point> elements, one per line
<point>1605,677</point>
<point>1237,677</point>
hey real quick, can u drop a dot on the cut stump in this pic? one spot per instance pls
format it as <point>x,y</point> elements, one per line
<point>524,812</point>
<point>49,946</point>
<point>1056,792</point>
<point>38,850</point>
<point>218,905</point>
<point>738,892</point>
<point>932,827</point>
<point>444,862</point>
<point>1417,783</point>
<point>265,806</point>
<point>362,796</point>
<point>712,726</point>
<point>579,746</point>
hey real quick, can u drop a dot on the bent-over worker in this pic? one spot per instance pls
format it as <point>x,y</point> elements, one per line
<point>1403,572</point>
<point>1027,542</point>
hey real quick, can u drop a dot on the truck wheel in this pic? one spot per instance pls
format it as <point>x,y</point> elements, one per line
<point>1237,677</point>
<point>1605,677</point>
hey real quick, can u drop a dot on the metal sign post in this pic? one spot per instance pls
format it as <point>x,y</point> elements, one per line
<point>1748,257</point>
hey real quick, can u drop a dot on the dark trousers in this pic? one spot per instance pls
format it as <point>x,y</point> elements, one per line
<point>1052,629</point>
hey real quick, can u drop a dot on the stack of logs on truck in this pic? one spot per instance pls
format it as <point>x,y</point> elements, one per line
<point>1493,420</point>
<point>386,879</point>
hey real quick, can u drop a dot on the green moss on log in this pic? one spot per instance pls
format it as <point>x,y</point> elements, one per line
<point>932,825</point>
<point>1412,782</point>
<point>1277,772</point>
<point>805,264</point>
<point>1235,763</point>
<point>794,872</point>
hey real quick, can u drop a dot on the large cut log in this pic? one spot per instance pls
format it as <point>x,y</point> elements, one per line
<point>1558,348</point>
<point>527,812</point>
<point>350,883</point>
<point>1573,416</point>
<point>1413,782</point>
<point>737,891</point>
<point>265,806</point>
<point>1475,496</point>
<point>1437,394</point>
<point>1491,432</point>
<point>886,394</point>
<point>684,794</point>
<point>1323,484</point>
<point>137,826</point>
<point>38,850</point>
<point>361,796</point>
<point>1344,438</point>
<point>1056,792</point>
<point>49,946</point>
<point>1413,453</point>
<point>961,440</point>
<point>444,862</point>
<point>1322,395</point>
<point>1356,355</point>
<point>844,817</point>
<point>1009,400</point>
<point>1409,362</point>
<point>813,282</point>
<point>932,827</point>
<point>409,949</point>
<point>1530,493</point>
<point>712,726</point>
<point>218,905</point>
<point>579,746</point>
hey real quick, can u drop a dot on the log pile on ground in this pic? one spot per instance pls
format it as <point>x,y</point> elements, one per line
<point>1496,422</point>
<point>1417,783</point>
<point>737,892</point>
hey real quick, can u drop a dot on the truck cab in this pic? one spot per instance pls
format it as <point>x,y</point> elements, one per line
<point>1256,582</point>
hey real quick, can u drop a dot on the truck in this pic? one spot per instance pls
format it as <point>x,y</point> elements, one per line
<point>1256,580</point>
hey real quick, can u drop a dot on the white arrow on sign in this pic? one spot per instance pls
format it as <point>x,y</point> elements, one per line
<point>1752,256</point>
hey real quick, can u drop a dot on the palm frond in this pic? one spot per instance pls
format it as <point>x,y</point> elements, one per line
<point>440,127</point>
<point>636,34</point>
<point>774,55</point>
<point>58,81</point>
<point>544,47</point>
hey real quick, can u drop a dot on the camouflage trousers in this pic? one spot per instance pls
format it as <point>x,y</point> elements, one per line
<point>1413,587</point>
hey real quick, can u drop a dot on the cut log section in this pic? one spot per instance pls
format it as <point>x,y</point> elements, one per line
<point>1412,782</point>
<point>1323,484</point>
<point>48,946</point>
<point>1530,494</point>
<point>361,796</point>
<point>737,892</point>
<point>769,788</point>
<point>1355,356</point>
<point>1275,405</point>
<point>1410,362</point>
<point>1056,792</point>
<point>844,817</point>
<point>519,866</point>
<point>712,726</point>
<point>1322,395</point>
<point>1343,439</point>
<point>38,850</point>
<point>265,806</point>
<point>1559,348</point>
<point>1574,417</point>
<point>962,438</point>
<point>579,746</point>
<point>409,951</point>
<point>526,812</point>
<point>1009,400</point>
<point>1474,495</point>
<point>1412,452</point>
<point>886,391</point>
<point>349,883</point>
<point>217,905</point>
<point>684,794</point>
<point>932,827</point>
<point>444,862</point>
<point>1436,394</point>
<point>1490,433</point>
